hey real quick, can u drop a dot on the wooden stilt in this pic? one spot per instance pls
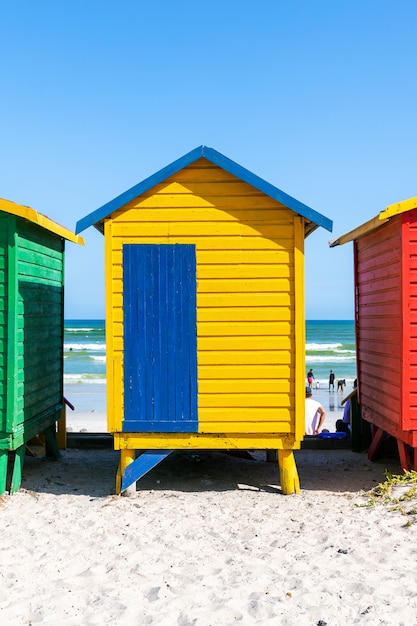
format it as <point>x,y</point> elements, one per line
<point>377,437</point>
<point>405,459</point>
<point>4,461</point>
<point>61,429</point>
<point>17,473</point>
<point>290,482</point>
<point>51,443</point>
<point>126,458</point>
<point>119,478</point>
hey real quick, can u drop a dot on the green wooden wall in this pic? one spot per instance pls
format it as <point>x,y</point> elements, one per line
<point>33,325</point>
<point>4,234</point>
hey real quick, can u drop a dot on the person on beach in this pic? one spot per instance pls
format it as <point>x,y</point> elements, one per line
<point>341,384</point>
<point>331,380</point>
<point>310,378</point>
<point>343,425</point>
<point>315,414</point>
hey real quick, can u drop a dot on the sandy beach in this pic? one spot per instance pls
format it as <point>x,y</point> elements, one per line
<point>208,539</point>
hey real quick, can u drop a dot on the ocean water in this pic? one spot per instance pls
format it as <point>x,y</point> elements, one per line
<point>85,364</point>
<point>329,345</point>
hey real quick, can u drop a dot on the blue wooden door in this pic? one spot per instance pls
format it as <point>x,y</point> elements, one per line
<point>160,343</point>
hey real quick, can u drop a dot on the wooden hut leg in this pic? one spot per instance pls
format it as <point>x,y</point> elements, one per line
<point>288,470</point>
<point>126,458</point>
<point>61,429</point>
<point>51,443</point>
<point>377,437</point>
<point>19,460</point>
<point>4,462</point>
<point>404,452</point>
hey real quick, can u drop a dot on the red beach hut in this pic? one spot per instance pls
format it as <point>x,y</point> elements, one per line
<point>385,267</point>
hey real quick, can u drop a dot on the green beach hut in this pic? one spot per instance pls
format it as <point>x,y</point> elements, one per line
<point>31,333</point>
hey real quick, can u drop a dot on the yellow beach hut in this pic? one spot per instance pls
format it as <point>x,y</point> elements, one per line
<point>205,325</point>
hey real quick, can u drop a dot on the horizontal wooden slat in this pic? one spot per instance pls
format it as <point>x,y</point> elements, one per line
<point>205,229</point>
<point>282,359</point>
<point>245,343</point>
<point>46,274</point>
<point>38,256</point>
<point>369,285</point>
<point>248,329</point>
<point>235,257</point>
<point>379,321</point>
<point>374,310</point>
<point>167,200</point>
<point>208,300</point>
<point>244,257</point>
<point>249,313</point>
<point>188,211</point>
<point>234,386</point>
<point>244,244</point>
<point>238,272</point>
<point>246,286</point>
<point>381,298</point>
<point>381,335</point>
<point>238,415</point>
<point>247,427</point>
<point>238,371</point>
<point>247,400</point>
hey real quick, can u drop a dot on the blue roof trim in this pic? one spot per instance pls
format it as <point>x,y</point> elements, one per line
<point>217,159</point>
<point>137,190</point>
<point>266,188</point>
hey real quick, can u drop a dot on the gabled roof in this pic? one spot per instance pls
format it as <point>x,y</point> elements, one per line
<point>30,214</point>
<point>97,217</point>
<point>376,222</point>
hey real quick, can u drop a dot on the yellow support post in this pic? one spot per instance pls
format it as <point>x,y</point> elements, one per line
<point>126,458</point>
<point>290,482</point>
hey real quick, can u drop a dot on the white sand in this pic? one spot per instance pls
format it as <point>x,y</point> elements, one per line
<point>86,421</point>
<point>208,539</point>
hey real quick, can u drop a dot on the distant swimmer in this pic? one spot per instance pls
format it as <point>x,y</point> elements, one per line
<point>331,380</point>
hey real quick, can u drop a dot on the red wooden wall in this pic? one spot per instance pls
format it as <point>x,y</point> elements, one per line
<point>386,325</point>
<point>409,414</point>
<point>379,325</point>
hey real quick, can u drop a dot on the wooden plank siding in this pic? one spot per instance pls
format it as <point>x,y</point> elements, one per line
<point>246,321</point>
<point>4,237</point>
<point>39,331</point>
<point>409,340</point>
<point>379,324</point>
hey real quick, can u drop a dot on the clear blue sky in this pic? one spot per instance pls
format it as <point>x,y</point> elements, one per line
<point>318,97</point>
